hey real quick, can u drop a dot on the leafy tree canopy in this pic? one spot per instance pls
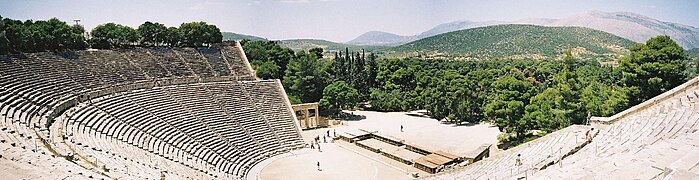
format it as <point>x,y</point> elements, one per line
<point>339,95</point>
<point>653,68</point>
<point>199,34</point>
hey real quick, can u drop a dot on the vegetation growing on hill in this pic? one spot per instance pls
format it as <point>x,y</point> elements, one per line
<point>55,35</point>
<point>328,47</point>
<point>520,42</point>
<point>235,36</point>
<point>516,95</point>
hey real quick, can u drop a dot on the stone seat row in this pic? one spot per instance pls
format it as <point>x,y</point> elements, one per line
<point>534,155</point>
<point>189,122</point>
<point>647,142</point>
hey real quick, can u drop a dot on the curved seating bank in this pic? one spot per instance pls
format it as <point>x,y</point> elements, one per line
<point>144,113</point>
<point>656,139</point>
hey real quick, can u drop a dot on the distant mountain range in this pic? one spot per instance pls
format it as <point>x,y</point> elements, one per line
<point>379,38</point>
<point>632,26</point>
<point>235,36</point>
<point>693,53</point>
<point>518,41</point>
<point>328,46</point>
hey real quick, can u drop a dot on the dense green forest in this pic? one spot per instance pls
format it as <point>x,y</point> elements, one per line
<point>520,42</point>
<point>516,95</point>
<point>53,35</point>
<point>309,77</point>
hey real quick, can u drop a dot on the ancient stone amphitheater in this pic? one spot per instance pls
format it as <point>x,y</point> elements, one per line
<point>199,113</point>
<point>140,113</point>
<point>657,139</point>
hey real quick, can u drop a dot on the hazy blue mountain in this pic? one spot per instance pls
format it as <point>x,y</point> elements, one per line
<point>632,26</point>
<point>628,25</point>
<point>328,46</point>
<point>692,53</point>
<point>236,36</point>
<point>455,26</point>
<point>379,38</point>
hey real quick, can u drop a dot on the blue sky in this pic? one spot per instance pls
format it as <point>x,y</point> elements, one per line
<point>335,20</point>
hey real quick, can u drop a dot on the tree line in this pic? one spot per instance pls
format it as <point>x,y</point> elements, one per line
<point>338,82</point>
<point>523,95</point>
<point>54,35</point>
<point>518,96</point>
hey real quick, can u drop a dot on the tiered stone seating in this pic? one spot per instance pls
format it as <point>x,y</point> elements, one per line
<point>236,61</point>
<point>122,65</point>
<point>103,137</point>
<point>145,61</point>
<point>213,56</point>
<point>654,140</point>
<point>170,61</point>
<point>20,162</point>
<point>62,63</point>
<point>195,61</point>
<point>535,155</point>
<point>268,102</point>
<point>221,125</point>
<point>87,105</point>
<point>104,68</point>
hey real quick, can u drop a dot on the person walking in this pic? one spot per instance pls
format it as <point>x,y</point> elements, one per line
<point>318,163</point>
<point>588,135</point>
<point>312,147</point>
<point>518,162</point>
<point>401,128</point>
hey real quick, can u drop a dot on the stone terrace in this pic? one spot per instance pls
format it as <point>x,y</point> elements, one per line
<point>142,113</point>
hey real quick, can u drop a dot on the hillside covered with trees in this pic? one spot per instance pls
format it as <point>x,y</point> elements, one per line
<point>519,42</point>
<point>516,95</point>
<point>235,36</point>
<point>328,47</point>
